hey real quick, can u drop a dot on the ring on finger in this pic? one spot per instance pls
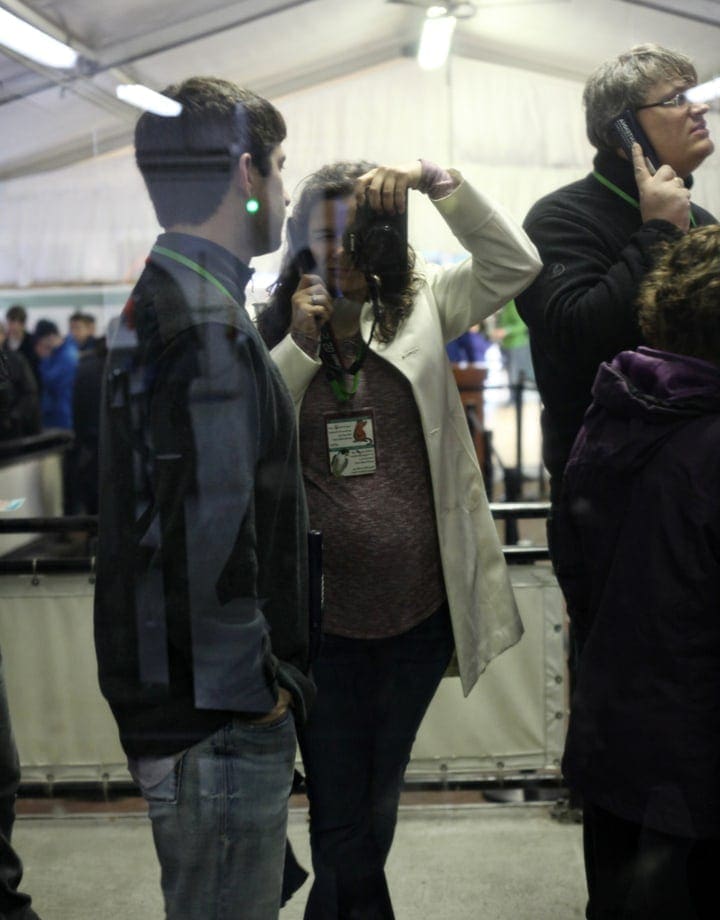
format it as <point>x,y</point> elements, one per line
<point>313,301</point>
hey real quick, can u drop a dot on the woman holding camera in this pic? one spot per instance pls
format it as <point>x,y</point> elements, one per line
<point>413,567</point>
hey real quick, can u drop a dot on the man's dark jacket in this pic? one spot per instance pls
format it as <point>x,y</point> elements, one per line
<point>27,350</point>
<point>638,558</point>
<point>22,415</point>
<point>201,597</point>
<point>581,310</point>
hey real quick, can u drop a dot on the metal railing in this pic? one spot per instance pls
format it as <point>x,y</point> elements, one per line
<point>30,563</point>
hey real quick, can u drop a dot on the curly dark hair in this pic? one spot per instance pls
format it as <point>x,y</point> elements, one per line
<point>679,299</point>
<point>397,289</point>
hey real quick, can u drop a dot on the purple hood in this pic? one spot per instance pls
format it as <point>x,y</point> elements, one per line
<point>640,399</point>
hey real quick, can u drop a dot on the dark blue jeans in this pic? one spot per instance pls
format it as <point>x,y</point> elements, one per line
<point>13,904</point>
<point>219,820</point>
<point>372,696</point>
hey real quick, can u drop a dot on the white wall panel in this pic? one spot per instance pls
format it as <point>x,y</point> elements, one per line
<point>515,133</point>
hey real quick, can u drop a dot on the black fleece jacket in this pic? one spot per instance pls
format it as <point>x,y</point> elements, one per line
<point>581,309</point>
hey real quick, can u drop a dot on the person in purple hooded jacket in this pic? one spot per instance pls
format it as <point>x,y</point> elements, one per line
<point>639,564</point>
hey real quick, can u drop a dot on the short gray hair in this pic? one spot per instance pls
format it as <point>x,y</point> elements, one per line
<point>623,83</point>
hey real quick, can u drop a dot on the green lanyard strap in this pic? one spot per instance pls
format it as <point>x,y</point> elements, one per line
<point>624,195</point>
<point>338,387</point>
<point>335,369</point>
<point>331,357</point>
<point>198,269</point>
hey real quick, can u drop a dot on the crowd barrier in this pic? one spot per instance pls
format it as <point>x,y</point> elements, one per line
<point>31,477</point>
<point>513,721</point>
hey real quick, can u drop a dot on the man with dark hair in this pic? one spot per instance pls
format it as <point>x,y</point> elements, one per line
<point>596,237</point>
<point>638,559</point>
<point>219,122</point>
<point>81,328</point>
<point>201,601</point>
<point>19,339</point>
<point>21,413</point>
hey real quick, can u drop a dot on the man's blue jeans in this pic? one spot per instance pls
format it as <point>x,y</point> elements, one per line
<point>219,820</point>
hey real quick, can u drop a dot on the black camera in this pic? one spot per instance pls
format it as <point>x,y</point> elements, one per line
<point>376,242</point>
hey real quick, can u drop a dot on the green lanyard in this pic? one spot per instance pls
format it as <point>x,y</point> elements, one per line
<point>624,195</point>
<point>330,355</point>
<point>198,269</point>
<point>335,369</point>
<point>338,388</point>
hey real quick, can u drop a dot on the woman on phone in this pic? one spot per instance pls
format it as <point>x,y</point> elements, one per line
<point>413,567</point>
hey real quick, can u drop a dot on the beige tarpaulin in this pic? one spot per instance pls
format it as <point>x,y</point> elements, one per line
<point>513,719</point>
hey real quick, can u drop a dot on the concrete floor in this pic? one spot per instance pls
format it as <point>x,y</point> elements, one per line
<point>495,862</point>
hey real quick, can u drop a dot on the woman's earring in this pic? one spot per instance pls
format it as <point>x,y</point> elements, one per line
<point>252,206</point>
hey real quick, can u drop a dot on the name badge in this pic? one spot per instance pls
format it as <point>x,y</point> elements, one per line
<point>351,442</point>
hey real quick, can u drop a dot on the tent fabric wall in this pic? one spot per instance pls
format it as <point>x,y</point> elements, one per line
<point>515,133</point>
<point>86,223</point>
<point>512,720</point>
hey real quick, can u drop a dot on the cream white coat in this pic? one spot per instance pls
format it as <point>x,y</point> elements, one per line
<point>503,262</point>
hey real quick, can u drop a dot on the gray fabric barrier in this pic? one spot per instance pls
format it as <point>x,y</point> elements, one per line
<point>514,719</point>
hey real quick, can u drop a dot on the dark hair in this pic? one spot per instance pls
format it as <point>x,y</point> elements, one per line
<point>397,289</point>
<point>17,314</point>
<point>623,83</point>
<point>78,316</point>
<point>44,328</point>
<point>187,161</point>
<point>678,299</point>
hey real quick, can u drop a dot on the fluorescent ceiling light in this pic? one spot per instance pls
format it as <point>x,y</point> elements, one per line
<point>462,10</point>
<point>706,92</point>
<point>435,42</point>
<point>148,100</point>
<point>30,42</point>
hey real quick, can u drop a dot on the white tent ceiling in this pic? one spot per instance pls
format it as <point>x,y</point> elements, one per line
<point>49,118</point>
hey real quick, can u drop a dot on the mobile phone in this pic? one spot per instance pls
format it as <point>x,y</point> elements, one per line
<point>628,131</point>
<point>300,249</point>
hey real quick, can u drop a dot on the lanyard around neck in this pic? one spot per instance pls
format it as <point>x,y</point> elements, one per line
<point>331,357</point>
<point>624,195</point>
<point>198,269</point>
<point>335,368</point>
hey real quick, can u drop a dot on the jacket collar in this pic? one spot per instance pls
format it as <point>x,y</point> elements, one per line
<point>616,170</point>
<point>220,262</point>
<point>620,172</point>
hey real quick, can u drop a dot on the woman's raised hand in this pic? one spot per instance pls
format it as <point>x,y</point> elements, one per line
<point>311,306</point>
<point>385,187</point>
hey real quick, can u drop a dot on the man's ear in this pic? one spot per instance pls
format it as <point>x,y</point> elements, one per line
<point>245,174</point>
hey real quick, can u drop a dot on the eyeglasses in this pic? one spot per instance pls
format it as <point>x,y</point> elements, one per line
<point>678,101</point>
